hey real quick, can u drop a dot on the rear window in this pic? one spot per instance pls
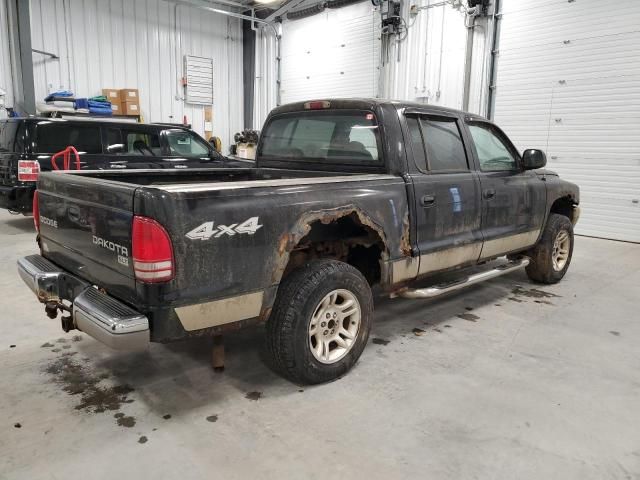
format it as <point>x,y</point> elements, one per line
<point>349,137</point>
<point>52,137</point>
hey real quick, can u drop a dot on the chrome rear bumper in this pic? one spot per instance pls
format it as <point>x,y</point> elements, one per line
<point>103,317</point>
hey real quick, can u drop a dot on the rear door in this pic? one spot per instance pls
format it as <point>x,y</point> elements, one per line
<point>513,199</point>
<point>446,193</point>
<point>53,136</point>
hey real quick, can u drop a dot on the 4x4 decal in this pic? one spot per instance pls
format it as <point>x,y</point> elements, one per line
<point>207,230</point>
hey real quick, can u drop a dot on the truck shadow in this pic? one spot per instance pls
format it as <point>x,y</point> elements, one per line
<point>20,223</point>
<point>177,378</point>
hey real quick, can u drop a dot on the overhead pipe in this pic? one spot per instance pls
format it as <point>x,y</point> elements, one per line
<point>467,64</point>
<point>493,68</point>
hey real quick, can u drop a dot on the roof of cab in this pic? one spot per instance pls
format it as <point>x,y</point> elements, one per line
<point>367,104</point>
<point>98,121</point>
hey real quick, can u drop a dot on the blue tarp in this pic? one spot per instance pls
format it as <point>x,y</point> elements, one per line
<point>59,95</point>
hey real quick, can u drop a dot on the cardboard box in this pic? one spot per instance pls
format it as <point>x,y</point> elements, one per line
<point>117,108</point>
<point>129,95</point>
<point>112,94</point>
<point>130,108</point>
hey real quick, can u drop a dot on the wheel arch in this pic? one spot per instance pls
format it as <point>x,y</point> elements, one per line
<point>567,206</point>
<point>346,233</point>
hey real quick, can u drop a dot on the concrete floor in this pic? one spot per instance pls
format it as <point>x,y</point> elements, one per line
<point>500,385</point>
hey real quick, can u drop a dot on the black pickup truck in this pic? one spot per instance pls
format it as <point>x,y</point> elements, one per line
<point>347,195</point>
<point>28,144</point>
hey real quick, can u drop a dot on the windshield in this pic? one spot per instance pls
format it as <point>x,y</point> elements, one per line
<point>322,136</point>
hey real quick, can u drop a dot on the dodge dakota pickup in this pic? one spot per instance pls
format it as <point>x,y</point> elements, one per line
<point>346,195</point>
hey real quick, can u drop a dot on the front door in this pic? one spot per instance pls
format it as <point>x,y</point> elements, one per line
<point>513,199</point>
<point>446,193</point>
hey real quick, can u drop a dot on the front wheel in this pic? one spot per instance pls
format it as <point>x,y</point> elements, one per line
<point>551,257</point>
<point>320,322</point>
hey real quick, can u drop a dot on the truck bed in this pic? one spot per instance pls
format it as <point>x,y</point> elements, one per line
<point>232,230</point>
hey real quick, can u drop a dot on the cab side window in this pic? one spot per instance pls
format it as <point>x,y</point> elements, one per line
<point>417,143</point>
<point>445,150</point>
<point>114,141</point>
<point>493,153</point>
<point>437,144</point>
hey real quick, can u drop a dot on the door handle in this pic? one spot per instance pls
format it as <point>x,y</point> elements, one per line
<point>489,193</point>
<point>428,200</point>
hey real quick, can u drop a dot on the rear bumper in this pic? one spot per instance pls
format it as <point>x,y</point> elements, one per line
<point>99,315</point>
<point>17,198</point>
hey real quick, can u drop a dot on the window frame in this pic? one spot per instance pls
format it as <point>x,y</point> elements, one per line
<point>375,165</point>
<point>497,131</point>
<point>443,118</point>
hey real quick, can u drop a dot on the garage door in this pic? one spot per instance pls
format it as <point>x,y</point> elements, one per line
<point>332,54</point>
<point>569,82</point>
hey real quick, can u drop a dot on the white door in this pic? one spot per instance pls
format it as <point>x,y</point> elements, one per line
<point>331,54</point>
<point>569,83</point>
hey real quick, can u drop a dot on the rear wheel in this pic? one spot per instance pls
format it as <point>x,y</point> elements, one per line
<point>551,257</point>
<point>320,322</point>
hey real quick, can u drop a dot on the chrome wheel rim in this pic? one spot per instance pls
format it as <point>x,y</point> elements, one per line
<point>334,326</point>
<point>560,254</point>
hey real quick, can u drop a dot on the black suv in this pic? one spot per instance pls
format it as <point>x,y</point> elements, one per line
<point>27,145</point>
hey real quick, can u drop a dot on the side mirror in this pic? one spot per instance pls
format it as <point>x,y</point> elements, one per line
<point>533,158</point>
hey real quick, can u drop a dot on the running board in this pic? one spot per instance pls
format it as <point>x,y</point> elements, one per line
<point>436,290</point>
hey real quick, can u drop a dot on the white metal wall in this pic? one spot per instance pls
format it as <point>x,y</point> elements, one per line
<point>430,65</point>
<point>6,80</point>
<point>332,54</point>
<point>429,68</point>
<point>139,44</point>
<point>569,83</point>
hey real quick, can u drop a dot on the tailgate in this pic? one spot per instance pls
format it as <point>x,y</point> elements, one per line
<point>85,228</point>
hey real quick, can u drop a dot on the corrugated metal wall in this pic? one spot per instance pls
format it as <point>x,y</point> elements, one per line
<point>139,44</point>
<point>569,83</point>
<point>429,67</point>
<point>332,54</point>
<point>6,81</point>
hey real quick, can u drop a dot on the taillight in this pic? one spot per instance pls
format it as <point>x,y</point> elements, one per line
<point>36,211</point>
<point>28,170</point>
<point>152,251</point>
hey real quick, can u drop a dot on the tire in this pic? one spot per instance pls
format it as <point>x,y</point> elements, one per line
<point>321,288</point>
<point>545,265</point>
